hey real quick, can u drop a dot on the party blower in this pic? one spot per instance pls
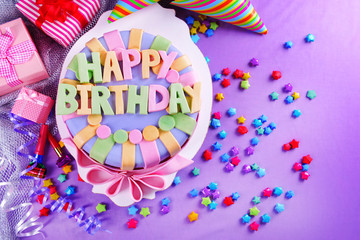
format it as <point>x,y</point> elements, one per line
<point>63,158</point>
<point>39,171</point>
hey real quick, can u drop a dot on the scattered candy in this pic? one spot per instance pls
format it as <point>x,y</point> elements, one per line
<point>217,115</point>
<point>242,130</point>
<point>261,172</point>
<point>254,62</point>
<point>267,192</point>
<point>47,183</point>
<point>246,218</point>
<point>215,194</point>
<point>249,150</point>
<point>209,32</point>
<point>254,226</point>
<point>225,157</point>
<point>235,196</point>
<point>257,123</point>
<point>222,134</point>
<point>189,20</point>
<point>225,83</point>
<point>212,205</point>
<point>67,169</point>
<point>238,73</point>
<point>132,223</point>
<point>165,201</point>
<point>70,190</point>
<point>234,151</point>
<point>213,26</point>
<point>216,146</point>
<point>267,131</point>
<point>310,38</point>
<point>193,216</point>
<point>231,112</point>
<point>272,126</point>
<point>177,180</point>
<point>296,113</point>
<point>294,144</point>
<point>216,77</point>
<point>263,118</point>
<point>213,186</point>
<point>226,71</point>
<point>288,44</point>
<point>306,159</point>
<point>205,201</point>
<point>289,99</point>
<point>276,75</point>
<point>241,120</point>
<point>228,201</point>
<point>297,166</point>
<point>195,171</point>
<point>288,87</point>
<point>304,175</point>
<point>274,96</point>
<point>196,24</point>
<point>277,191</point>
<point>286,147</point>
<point>246,168</point>
<point>260,131</point>
<point>235,161</point>
<point>279,208</point>
<point>289,194</point>
<point>207,155</point>
<point>101,208</point>
<point>305,167</point>
<point>62,178</point>
<point>246,76</point>
<point>193,31</point>
<point>311,94</point>
<point>133,210</point>
<point>195,38</point>
<point>256,200</point>
<point>215,123</point>
<point>229,167</point>
<point>265,218</point>
<point>194,193</point>
<point>206,192</point>
<point>40,198</point>
<point>245,84</point>
<point>54,196</point>
<point>203,28</point>
<point>207,59</point>
<point>145,212</point>
<point>254,167</point>
<point>295,95</point>
<point>44,212</point>
<point>254,211</point>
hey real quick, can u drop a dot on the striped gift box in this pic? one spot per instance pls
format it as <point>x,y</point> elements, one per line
<point>63,33</point>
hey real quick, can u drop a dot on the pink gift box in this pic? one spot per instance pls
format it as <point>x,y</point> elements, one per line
<point>63,28</point>
<point>32,105</point>
<point>29,72</point>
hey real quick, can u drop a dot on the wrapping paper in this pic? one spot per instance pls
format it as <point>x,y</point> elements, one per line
<point>32,106</point>
<point>238,12</point>
<point>28,71</point>
<point>63,28</point>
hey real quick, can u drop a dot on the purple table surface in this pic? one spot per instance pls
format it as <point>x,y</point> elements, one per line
<point>324,207</point>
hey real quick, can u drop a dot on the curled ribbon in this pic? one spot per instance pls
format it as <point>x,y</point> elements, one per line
<point>59,10</point>
<point>20,123</point>
<point>10,56</point>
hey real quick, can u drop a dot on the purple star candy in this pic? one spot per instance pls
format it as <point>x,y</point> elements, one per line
<point>206,192</point>
<point>215,194</point>
<point>246,168</point>
<point>254,62</point>
<point>249,151</point>
<point>288,87</point>
<point>164,210</point>
<point>234,151</point>
<point>229,167</point>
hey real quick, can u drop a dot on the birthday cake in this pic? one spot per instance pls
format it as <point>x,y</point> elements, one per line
<point>129,99</point>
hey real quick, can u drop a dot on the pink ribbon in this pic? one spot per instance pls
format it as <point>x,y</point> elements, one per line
<point>9,56</point>
<point>136,181</point>
<point>31,96</point>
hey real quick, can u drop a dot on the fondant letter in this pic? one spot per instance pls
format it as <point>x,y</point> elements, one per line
<point>177,96</point>
<point>150,58</point>
<point>112,65</point>
<point>119,101</point>
<point>66,102</point>
<point>85,67</point>
<point>167,61</point>
<point>127,63</point>
<point>164,102</point>
<point>135,99</point>
<point>99,102</point>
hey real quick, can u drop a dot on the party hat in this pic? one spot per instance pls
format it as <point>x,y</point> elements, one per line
<point>237,12</point>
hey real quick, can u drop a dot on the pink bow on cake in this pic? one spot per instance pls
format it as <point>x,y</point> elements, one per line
<point>10,56</point>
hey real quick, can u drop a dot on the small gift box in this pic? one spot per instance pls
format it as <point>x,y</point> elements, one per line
<point>32,105</point>
<point>62,20</point>
<point>20,63</point>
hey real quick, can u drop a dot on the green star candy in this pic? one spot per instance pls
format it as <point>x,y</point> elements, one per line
<point>62,178</point>
<point>254,167</point>
<point>260,131</point>
<point>101,208</point>
<point>256,200</point>
<point>195,171</point>
<point>205,201</point>
<point>245,84</point>
<point>254,211</point>
<point>274,96</point>
<point>311,94</point>
<point>213,26</point>
<point>145,211</point>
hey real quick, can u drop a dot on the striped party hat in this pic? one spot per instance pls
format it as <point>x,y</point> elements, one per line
<point>238,12</point>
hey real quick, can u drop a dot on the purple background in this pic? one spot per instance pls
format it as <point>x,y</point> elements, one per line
<point>325,206</point>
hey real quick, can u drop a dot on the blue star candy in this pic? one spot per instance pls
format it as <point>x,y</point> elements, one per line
<point>296,113</point>
<point>279,208</point>
<point>207,59</point>
<point>261,172</point>
<point>289,194</point>
<point>165,201</point>
<point>213,186</point>
<point>246,218</point>
<point>70,190</point>
<point>272,125</point>
<point>254,141</point>
<point>305,167</point>
<point>194,193</point>
<point>231,112</point>
<point>195,38</point>
<point>222,134</point>
<point>225,157</point>
<point>274,96</point>
<point>267,131</point>
<point>288,44</point>
<point>257,123</point>
<point>216,77</point>
<point>216,146</point>
<point>177,180</point>
<point>310,38</point>
<point>189,20</point>
<point>263,118</point>
<point>265,218</point>
<point>289,99</point>
<point>215,123</point>
<point>133,210</point>
<point>235,196</point>
<point>209,32</point>
<point>212,205</point>
<point>277,191</point>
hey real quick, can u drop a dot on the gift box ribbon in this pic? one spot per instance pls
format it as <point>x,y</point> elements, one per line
<point>31,96</point>
<point>10,56</point>
<point>59,10</point>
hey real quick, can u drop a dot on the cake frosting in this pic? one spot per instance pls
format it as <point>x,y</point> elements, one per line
<point>129,99</point>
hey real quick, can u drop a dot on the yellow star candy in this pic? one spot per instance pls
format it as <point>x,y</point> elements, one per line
<point>241,120</point>
<point>246,76</point>
<point>145,211</point>
<point>193,216</point>
<point>54,196</point>
<point>193,31</point>
<point>203,28</point>
<point>196,24</point>
<point>47,182</point>
<point>202,17</point>
<point>219,97</point>
<point>295,95</point>
<point>67,169</point>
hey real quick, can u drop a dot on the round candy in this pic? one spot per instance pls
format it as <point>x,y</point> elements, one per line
<point>94,119</point>
<point>135,136</point>
<point>172,76</point>
<point>150,133</point>
<point>103,132</point>
<point>166,123</point>
<point>121,136</point>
